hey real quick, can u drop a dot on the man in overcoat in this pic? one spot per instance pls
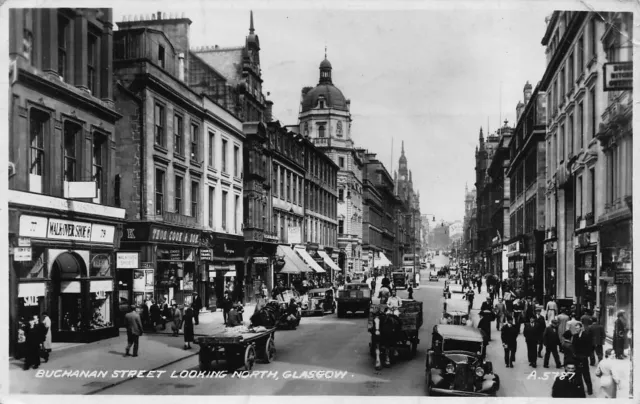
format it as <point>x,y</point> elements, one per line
<point>134,330</point>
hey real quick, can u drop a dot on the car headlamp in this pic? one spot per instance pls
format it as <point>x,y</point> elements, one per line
<point>479,372</point>
<point>450,368</point>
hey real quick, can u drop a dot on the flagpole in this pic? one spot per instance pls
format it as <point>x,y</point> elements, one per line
<point>391,173</point>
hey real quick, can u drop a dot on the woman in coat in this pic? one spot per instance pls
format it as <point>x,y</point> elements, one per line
<point>608,381</point>
<point>177,320</point>
<point>46,330</point>
<point>188,327</point>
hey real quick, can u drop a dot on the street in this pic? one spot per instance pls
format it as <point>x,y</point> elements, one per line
<point>323,343</point>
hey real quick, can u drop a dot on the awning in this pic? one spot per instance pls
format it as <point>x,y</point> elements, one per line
<point>329,261</point>
<point>292,263</point>
<point>310,261</point>
<point>381,262</point>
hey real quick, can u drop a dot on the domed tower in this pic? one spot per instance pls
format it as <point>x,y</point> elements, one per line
<point>325,120</point>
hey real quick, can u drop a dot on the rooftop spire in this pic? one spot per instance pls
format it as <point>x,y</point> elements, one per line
<point>403,147</point>
<point>251,30</point>
<point>325,52</point>
<point>481,137</point>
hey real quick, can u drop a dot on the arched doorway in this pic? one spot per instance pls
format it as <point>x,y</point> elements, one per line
<point>68,297</point>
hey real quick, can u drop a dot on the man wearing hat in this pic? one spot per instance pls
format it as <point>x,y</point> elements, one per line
<point>541,324</point>
<point>196,306</point>
<point>583,345</point>
<point>551,341</point>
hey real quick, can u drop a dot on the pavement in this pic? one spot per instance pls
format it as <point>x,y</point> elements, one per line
<point>536,384</point>
<point>108,355</point>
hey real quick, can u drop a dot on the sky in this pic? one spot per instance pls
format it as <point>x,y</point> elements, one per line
<point>429,77</point>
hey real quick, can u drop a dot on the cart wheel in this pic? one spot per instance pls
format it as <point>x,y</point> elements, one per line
<point>269,350</point>
<point>249,357</point>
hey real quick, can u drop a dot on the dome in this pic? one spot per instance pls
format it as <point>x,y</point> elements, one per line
<point>325,64</point>
<point>332,96</point>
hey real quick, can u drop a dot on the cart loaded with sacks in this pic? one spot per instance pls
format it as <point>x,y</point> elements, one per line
<point>237,347</point>
<point>410,315</point>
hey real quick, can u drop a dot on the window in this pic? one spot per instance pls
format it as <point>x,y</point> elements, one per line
<point>274,177</point>
<point>294,191</point>
<point>224,210</point>
<point>38,122</point>
<point>159,124</point>
<point>580,50</point>
<point>194,142</point>
<point>562,86</point>
<point>282,183</point>
<point>561,144</point>
<point>161,56</point>
<point>194,199</point>
<point>92,63</point>
<point>236,161</point>
<point>341,226</point>
<point>341,194</point>
<point>63,44</point>
<point>159,191</point>
<point>288,186</point>
<point>341,162</point>
<point>593,38</point>
<point>592,191</point>
<point>579,197</point>
<point>177,135</point>
<point>70,138</point>
<point>300,192</point>
<point>321,127</point>
<point>580,123</point>
<point>224,155</point>
<point>570,134</point>
<point>237,215</point>
<point>570,79</point>
<point>212,140</point>
<point>592,102</point>
<point>211,205</point>
<point>97,162</point>
<point>177,197</point>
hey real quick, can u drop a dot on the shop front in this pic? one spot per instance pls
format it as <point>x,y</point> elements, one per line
<point>65,268</point>
<point>168,264</point>
<point>586,249</point>
<point>516,264</point>
<point>615,274</point>
<point>496,259</point>
<point>225,270</point>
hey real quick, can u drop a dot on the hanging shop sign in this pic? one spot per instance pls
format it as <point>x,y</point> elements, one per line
<point>58,229</point>
<point>294,235</point>
<point>24,242</point>
<point>513,249</point>
<point>618,76</point>
<point>22,254</point>
<point>206,254</point>
<point>260,260</point>
<point>127,260</point>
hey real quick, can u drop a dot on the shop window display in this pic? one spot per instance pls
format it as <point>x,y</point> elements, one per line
<point>71,312</point>
<point>611,298</point>
<point>100,265</point>
<point>101,315</point>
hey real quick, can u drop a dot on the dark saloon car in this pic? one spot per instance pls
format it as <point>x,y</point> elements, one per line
<point>456,364</point>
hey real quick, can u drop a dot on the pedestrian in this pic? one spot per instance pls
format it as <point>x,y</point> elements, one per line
<point>541,324</point>
<point>154,315</point>
<point>518,308</point>
<point>552,308</point>
<point>571,324</point>
<point>134,330</point>
<point>196,306</point>
<point>479,282</point>
<point>582,345</point>
<point>509,336</point>
<point>410,291</point>
<point>188,319</point>
<point>500,311</point>
<point>608,380</point>
<point>587,319</point>
<point>531,338</point>
<point>597,337</point>
<point>551,341</point>
<point>227,304</point>
<point>46,330</point>
<point>176,316</point>
<point>529,309</point>
<point>567,385</point>
<point>33,343</point>
<point>470,296</point>
<point>567,348</point>
<point>620,331</point>
<point>146,317</point>
<point>486,305</point>
<point>484,325</point>
<point>234,317</point>
<point>563,319</point>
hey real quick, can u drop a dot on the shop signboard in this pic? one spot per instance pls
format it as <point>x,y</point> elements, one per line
<point>618,76</point>
<point>260,260</point>
<point>206,254</point>
<point>176,255</point>
<point>160,234</point>
<point>622,277</point>
<point>513,249</point>
<point>127,260</point>
<point>22,254</point>
<point>24,242</point>
<point>293,235</point>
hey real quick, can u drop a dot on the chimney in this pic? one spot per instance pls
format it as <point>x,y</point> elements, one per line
<point>181,67</point>
<point>527,93</point>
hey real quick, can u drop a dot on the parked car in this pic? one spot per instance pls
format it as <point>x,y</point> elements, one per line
<point>456,363</point>
<point>433,276</point>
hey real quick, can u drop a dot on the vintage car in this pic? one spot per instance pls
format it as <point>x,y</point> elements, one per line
<point>399,280</point>
<point>318,301</point>
<point>455,312</point>
<point>433,276</point>
<point>457,365</point>
<point>354,297</point>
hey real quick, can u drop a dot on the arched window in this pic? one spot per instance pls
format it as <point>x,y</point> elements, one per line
<point>321,131</point>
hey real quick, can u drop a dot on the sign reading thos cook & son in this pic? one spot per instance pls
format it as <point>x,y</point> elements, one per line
<point>161,234</point>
